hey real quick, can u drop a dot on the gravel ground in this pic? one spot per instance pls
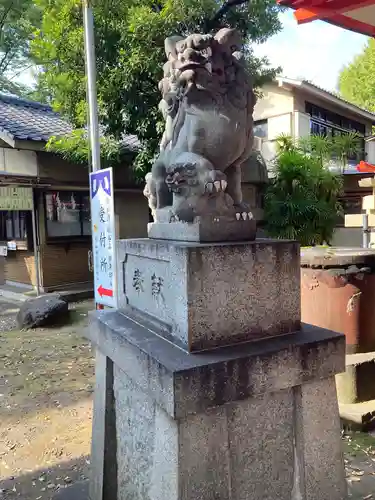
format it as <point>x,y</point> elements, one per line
<point>46,383</point>
<point>8,312</point>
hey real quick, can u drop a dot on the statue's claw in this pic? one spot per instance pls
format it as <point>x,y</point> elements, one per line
<point>244,216</point>
<point>216,186</point>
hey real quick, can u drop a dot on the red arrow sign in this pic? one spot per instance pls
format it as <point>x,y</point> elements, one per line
<point>104,292</point>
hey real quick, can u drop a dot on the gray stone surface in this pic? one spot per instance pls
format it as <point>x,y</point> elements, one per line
<point>207,295</point>
<point>319,431</point>
<point>236,451</point>
<point>229,422</point>
<point>209,229</point>
<point>103,482</point>
<point>183,384</point>
<point>261,433</point>
<point>43,310</point>
<point>279,443</point>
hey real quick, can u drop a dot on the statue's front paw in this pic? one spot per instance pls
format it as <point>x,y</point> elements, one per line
<point>216,187</point>
<point>243,212</point>
<point>244,216</point>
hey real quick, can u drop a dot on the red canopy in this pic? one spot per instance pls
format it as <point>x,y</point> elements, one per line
<point>355,15</point>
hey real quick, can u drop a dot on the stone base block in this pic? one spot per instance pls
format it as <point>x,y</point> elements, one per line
<point>258,421</point>
<point>356,384</point>
<point>206,230</point>
<point>207,295</point>
<point>358,416</point>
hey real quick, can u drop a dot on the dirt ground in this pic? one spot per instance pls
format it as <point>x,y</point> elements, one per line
<point>46,384</point>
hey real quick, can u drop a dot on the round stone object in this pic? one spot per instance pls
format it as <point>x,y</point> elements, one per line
<point>45,310</point>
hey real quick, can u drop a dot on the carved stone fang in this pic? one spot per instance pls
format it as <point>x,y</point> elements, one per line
<point>238,216</point>
<point>209,187</point>
<point>250,216</point>
<point>224,185</point>
<point>217,185</point>
<point>244,215</point>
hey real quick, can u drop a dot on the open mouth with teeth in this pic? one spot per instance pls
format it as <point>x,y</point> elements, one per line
<point>176,183</point>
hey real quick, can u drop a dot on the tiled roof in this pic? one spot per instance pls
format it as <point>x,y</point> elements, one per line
<point>333,94</point>
<point>130,142</point>
<point>326,94</point>
<point>31,121</point>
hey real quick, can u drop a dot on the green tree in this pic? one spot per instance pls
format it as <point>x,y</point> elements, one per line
<point>301,201</point>
<point>130,54</point>
<point>357,79</point>
<point>18,19</point>
<point>327,149</point>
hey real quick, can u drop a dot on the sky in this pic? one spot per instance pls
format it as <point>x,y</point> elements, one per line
<point>315,51</point>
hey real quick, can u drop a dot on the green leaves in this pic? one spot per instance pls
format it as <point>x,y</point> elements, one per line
<point>357,80</point>
<point>130,55</point>
<point>18,19</point>
<point>75,148</point>
<point>323,148</point>
<point>302,200</point>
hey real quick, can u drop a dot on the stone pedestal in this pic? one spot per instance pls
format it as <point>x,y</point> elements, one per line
<point>368,206</point>
<point>207,387</point>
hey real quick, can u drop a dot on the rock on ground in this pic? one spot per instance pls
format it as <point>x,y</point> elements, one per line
<point>42,311</point>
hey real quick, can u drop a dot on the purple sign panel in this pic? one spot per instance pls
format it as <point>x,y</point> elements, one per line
<point>103,236</point>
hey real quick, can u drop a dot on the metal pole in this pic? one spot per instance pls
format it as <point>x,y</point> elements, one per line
<point>94,136</point>
<point>36,251</point>
<point>365,236</point>
<point>93,122</point>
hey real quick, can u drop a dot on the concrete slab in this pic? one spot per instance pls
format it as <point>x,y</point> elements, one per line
<point>21,294</point>
<point>359,358</point>
<point>358,416</point>
<point>326,257</point>
<point>15,293</point>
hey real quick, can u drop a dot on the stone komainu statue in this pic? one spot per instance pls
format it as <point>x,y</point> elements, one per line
<point>207,103</point>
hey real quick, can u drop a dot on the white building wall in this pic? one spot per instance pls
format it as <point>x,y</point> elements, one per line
<point>13,161</point>
<point>277,125</point>
<point>370,150</point>
<point>274,101</point>
<point>301,124</point>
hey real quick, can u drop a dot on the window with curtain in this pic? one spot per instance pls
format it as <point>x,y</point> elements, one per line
<point>13,225</point>
<point>67,214</point>
<point>17,226</point>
